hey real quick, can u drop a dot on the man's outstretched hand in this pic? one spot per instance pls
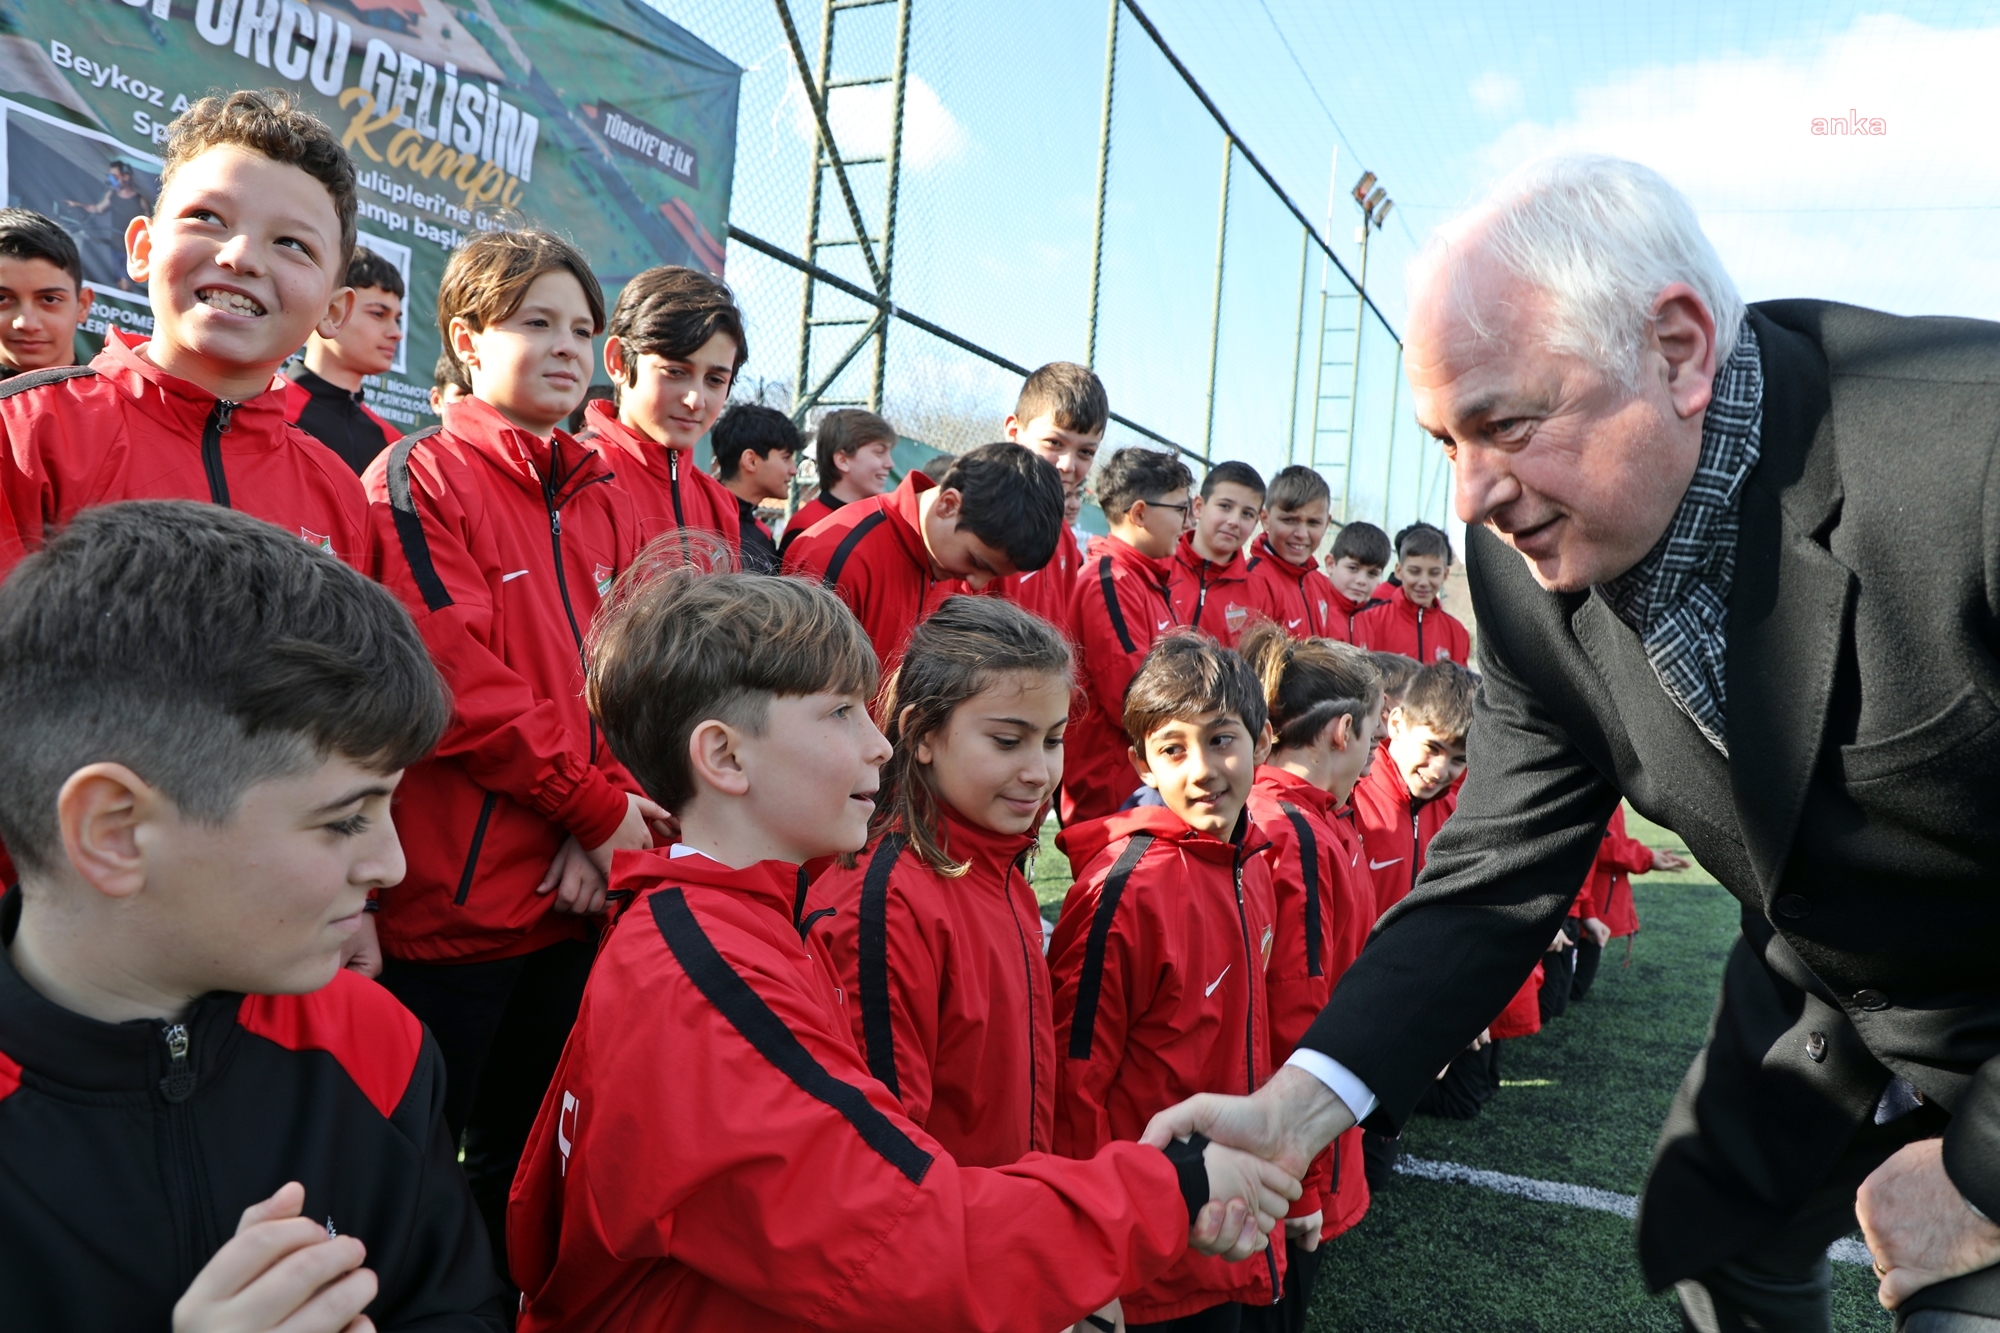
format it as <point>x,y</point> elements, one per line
<point>1247,1198</point>
<point>1287,1121</point>
<point>1918,1226</point>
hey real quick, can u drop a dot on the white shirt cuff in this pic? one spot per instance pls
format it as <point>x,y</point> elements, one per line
<point>1339,1080</point>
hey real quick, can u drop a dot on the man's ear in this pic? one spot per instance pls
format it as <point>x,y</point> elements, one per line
<point>1684,330</point>
<point>101,813</point>
<point>339,309</point>
<point>713,754</point>
<point>139,248</point>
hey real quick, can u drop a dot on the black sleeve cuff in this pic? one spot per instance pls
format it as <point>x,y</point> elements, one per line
<point>1972,1142</point>
<point>1185,1154</point>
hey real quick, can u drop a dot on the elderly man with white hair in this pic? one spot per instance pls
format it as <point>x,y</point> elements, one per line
<point>1740,567</point>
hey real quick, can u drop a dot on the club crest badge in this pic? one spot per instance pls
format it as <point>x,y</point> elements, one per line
<point>319,539</point>
<point>605,576</point>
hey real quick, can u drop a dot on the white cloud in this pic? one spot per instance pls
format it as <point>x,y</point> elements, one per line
<point>1496,92</point>
<point>861,118</point>
<point>1865,219</point>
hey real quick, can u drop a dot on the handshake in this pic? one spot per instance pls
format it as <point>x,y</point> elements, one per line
<point>1259,1149</point>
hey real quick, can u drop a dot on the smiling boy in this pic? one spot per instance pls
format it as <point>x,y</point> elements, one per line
<point>199,799</point>
<point>1285,576</point>
<point>854,452</point>
<point>672,349</point>
<point>996,510</point>
<point>326,398</point>
<point>43,300</point>
<point>1159,957</point>
<point>1354,566</point>
<point>243,257</point>
<point>1061,415</point>
<point>1210,580</point>
<point>1411,620</point>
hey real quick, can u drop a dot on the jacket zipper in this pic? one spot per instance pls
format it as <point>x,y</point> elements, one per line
<point>1028,974</point>
<point>183,1171</point>
<point>1420,637</point>
<point>562,583</point>
<point>1201,595</point>
<point>211,450</point>
<point>1250,1036</point>
<point>674,489</point>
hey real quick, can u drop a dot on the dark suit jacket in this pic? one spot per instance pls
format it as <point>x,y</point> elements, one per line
<point>1857,817</point>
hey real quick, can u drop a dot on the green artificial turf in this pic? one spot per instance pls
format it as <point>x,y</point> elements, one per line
<point>1584,1103</point>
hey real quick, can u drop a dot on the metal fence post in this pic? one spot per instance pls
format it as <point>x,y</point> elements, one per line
<point>1103,184</point>
<point>895,169</point>
<point>1215,318</point>
<point>1298,348</point>
<point>1389,469</point>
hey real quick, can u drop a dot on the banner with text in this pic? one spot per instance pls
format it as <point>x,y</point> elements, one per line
<point>597,118</point>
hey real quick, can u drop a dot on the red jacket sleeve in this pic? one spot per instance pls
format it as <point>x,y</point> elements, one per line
<point>1115,989</point>
<point>508,737</point>
<point>1620,852</point>
<point>1108,662</point>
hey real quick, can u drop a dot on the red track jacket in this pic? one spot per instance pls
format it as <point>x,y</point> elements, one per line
<point>1118,606</point>
<point>1216,599</point>
<point>1427,633</point>
<point>947,989</point>
<point>805,516</point>
<point>872,553</point>
<point>1607,893</point>
<point>1298,597</point>
<point>668,491</point>
<point>1046,591</point>
<point>713,1154</point>
<point>1159,961</point>
<point>1322,918</point>
<point>502,546</point>
<point>123,429</point>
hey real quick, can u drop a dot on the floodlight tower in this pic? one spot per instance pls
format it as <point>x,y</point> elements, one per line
<point>1374,203</point>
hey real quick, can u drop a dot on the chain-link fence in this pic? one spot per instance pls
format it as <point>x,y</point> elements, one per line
<point>1011,184</point>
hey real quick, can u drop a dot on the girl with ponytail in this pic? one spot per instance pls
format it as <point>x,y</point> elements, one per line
<point>1324,701</point>
<point>932,930</point>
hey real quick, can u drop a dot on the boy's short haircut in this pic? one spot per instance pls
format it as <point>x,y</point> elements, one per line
<point>675,647</point>
<point>1440,698</point>
<point>1189,675</point>
<point>672,311</point>
<point>1012,499</point>
<point>1423,539</point>
<point>1395,671</point>
<point>846,432</point>
<point>206,651</point>
<point>1296,487</point>
<point>270,123</point>
<point>368,269</point>
<point>25,234</point>
<point>1070,395</point>
<point>1309,682</point>
<point>1136,473</point>
<point>1364,543</point>
<point>754,427</point>
<point>489,276</point>
<point>1236,474</point>
<point>449,371</point>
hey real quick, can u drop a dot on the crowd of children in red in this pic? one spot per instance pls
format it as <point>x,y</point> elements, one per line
<point>712,993</point>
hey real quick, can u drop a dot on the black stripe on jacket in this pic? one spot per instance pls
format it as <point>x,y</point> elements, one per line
<point>878,1028</point>
<point>410,525</point>
<point>749,1015</point>
<point>1091,980</point>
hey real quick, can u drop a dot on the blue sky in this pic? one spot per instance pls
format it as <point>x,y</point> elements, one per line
<point>1437,99</point>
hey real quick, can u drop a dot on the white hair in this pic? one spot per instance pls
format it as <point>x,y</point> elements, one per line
<point>1602,237</point>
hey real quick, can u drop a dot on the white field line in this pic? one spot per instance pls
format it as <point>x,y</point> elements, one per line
<point>1845,1251</point>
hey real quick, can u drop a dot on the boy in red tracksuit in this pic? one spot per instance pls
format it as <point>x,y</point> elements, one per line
<point>996,510</point>
<point>1604,908</point>
<point>1060,415</point>
<point>672,349</point>
<point>855,453</point>
<point>502,534</point>
<point>1209,580</point>
<point>1285,577</point>
<point>1325,705</point>
<point>197,411</point>
<point>1159,956</point>
<point>325,398</point>
<point>934,933</point>
<point>1410,619</point>
<point>1354,566</point>
<point>712,1153</point>
<point>1117,609</point>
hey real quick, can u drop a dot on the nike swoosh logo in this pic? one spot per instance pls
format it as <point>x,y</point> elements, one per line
<point>1217,982</point>
<point>509,578</point>
<point>1163,624</point>
<point>1293,624</point>
<point>1373,864</point>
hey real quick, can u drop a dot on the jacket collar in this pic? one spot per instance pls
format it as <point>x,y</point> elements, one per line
<point>632,448</point>
<point>1792,602</point>
<point>185,406</point>
<point>1231,570</point>
<point>320,387</point>
<point>1286,786</point>
<point>906,519</point>
<point>523,457</point>
<point>1399,598</point>
<point>1083,841</point>
<point>770,885</point>
<point>1128,559</point>
<point>83,1053</point>
<point>990,852</point>
<point>1262,550</point>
